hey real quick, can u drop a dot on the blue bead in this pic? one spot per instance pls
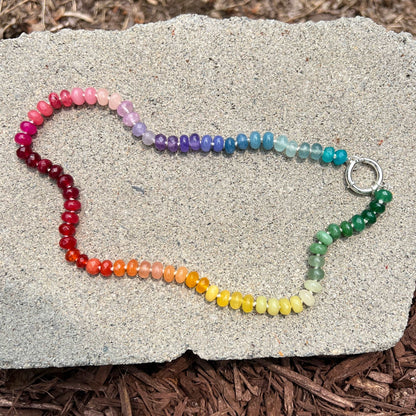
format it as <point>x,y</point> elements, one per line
<point>304,150</point>
<point>281,143</point>
<point>184,143</point>
<point>218,144</point>
<point>194,143</point>
<point>268,141</point>
<point>316,151</point>
<point>255,140</point>
<point>328,154</point>
<point>291,148</point>
<point>229,146</point>
<point>242,141</point>
<point>340,157</point>
<point>206,143</point>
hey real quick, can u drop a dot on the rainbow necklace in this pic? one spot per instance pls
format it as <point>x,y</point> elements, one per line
<point>184,144</point>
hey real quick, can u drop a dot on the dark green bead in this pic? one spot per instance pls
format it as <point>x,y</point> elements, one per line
<point>358,223</point>
<point>346,229</point>
<point>376,207</point>
<point>316,274</point>
<point>383,195</point>
<point>317,248</point>
<point>369,216</point>
<point>334,231</point>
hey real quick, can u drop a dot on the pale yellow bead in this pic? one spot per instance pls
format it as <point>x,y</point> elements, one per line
<point>296,303</point>
<point>307,297</point>
<point>236,300</point>
<point>313,285</point>
<point>273,306</point>
<point>261,304</point>
<point>285,306</point>
<point>211,293</point>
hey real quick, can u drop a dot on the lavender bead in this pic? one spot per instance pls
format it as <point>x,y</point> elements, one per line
<point>160,142</point>
<point>139,129</point>
<point>124,108</point>
<point>172,144</point>
<point>148,138</point>
<point>218,143</point>
<point>206,143</point>
<point>194,142</point>
<point>28,127</point>
<point>184,143</point>
<point>131,119</point>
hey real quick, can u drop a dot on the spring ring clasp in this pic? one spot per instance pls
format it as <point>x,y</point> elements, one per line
<point>352,165</point>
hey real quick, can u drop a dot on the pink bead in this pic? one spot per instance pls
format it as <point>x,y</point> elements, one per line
<point>28,127</point>
<point>44,108</point>
<point>54,100</point>
<point>114,101</point>
<point>66,98</point>
<point>102,96</point>
<point>90,97</point>
<point>157,270</point>
<point>35,117</point>
<point>23,138</point>
<point>77,96</point>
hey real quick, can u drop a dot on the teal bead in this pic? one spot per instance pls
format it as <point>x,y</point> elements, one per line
<point>369,216</point>
<point>316,274</point>
<point>318,248</point>
<point>324,238</point>
<point>316,151</point>
<point>328,154</point>
<point>340,157</point>
<point>281,143</point>
<point>358,223</point>
<point>376,207</point>
<point>334,231</point>
<point>346,229</point>
<point>242,141</point>
<point>255,140</point>
<point>383,195</point>
<point>268,139</point>
<point>229,146</point>
<point>316,261</point>
<point>304,150</point>
<point>291,149</point>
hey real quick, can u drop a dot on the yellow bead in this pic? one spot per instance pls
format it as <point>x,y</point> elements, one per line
<point>223,299</point>
<point>202,286</point>
<point>261,304</point>
<point>191,279</point>
<point>296,303</point>
<point>211,293</point>
<point>285,306</point>
<point>247,304</point>
<point>236,300</point>
<point>273,306</point>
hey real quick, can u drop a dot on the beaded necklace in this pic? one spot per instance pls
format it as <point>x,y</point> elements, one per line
<point>206,143</point>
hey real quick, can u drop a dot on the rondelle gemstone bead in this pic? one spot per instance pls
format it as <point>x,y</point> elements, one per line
<point>273,306</point>
<point>66,99</point>
<point>296,304</point>
<point>28,127</point>
<point>44,165</point>
<point>93,266</point>
<point>44,108</point>
<point>328,155</point>
<point>307,297</point>
<point>247,304</point>
<point>229,146</point>
<point>157,270</point>
<point>131,119</point>
<point>315,274</point>
<point>144,269</point>
<point>169,273</point>
<point>172,144</point>
<point>65,181</point>
<point>218,144</point>
<point>316,151</point>
<point>184,143</point>
<point>125,108</point>
<point>139,129</point>
<point>55,171</point>
<point>316,261</point>
<point>324,238</point>
<point>77,96</point>
<point>194,142</point>
<point>358,223</point>
<point>317,248</point>
<point>70,217</point>
<point>255,140</point>
<point>192,279</point>
<point>376,207</point>
<point>346,229</point>
<point>82,261</point>
<point>313,285</point>
<point>119,268</point>
<point>69,193</point>
<point>268,140</point>
<point>223,298</point>
<point>106,266</point>
<point>160,142</point>
<point>242,141</point>
<point>291,148</point>
<point>340,157</point>
<point>132,267</point>
<point>23,152</point>
<point>90,96</point>
<point>72,205</point>
<point>236,300</point>
<point>148,138</point>
<point>211,293</point>
<point>206,143</point>
<point>368,216</point>
<point>23,139</point>
<point>334,231</point>
<point>383,195</point>
<point>285,306</point>
<point>261,304</point>
<point>68,243</point>
<point>72,255</point>
<point>114,101</point>
<point>181,274</point>
<point>202,286</point>
<point>304,151</point>
<point>102,96</point>
<point>35,117</point>
<point>33,159</point>
<point>67,229</point>
<point>281,143</point>
<point>54,100</point>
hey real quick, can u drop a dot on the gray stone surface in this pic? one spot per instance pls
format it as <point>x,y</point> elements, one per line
<point>244,221</point>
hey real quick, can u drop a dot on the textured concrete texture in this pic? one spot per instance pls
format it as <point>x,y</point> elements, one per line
<point>244,221</point>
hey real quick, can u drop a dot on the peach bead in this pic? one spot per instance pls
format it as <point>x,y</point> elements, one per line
<point>90,96</point>
<point>132,267</point>
<point>144,269</point>
<point>102,96</point>
<point>93,266</point>
<point>181,274</point>
<point>119,268</point>
<point>77,96</point>
<point>169,273</point>
<point>157,270</point>
<point>114,101</point>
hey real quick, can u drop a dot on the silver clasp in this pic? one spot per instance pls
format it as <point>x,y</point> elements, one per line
<point>352,164</point>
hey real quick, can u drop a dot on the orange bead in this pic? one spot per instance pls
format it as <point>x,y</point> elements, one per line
<point>169,273</point>
<point>157,270</point>
<point>106,266</point>
<point>72,255</point>
<point>144,269</point>
<point>191,279</point>
<point>93,266</point>
<point>132,267</point>
<point>202,286</point>
<point>181,274</point>
<point>119,268</point>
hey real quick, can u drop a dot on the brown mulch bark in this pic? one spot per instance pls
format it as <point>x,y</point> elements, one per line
<point>380,383</point>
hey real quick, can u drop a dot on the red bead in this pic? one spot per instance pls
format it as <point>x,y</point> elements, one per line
<point>68,243</point>
<point>70,193</point>
<point>65,181</point>
<point>23,152</point>
<point>23,139</point>
<point>72,255</point>
<point>70,217</point>
<point>93,266</point>
<point>82,261</point>
<point>33,159</point>
<point>44,165</point>
<point>44,108</point>
<point>35,117</point>
<point>55,101</point>
<point>66,98</point>
<point>55,171</point>
<point>72,205</point>
<point>67,229</point>
<point>106,266</point>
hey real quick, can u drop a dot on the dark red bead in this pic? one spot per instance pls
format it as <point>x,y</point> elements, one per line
<point>44,165</point>
<point>66,98</point>
<point>105,269</point>
<point>82,261</point>
<point>23,152</point>
<point>68,243</point>
<point>70,217</point>
<point>72,205</point>
<point>67,229</point>
<point>55,101</point>
<point>55,171</point>
<point>65,181</point>
<point>70,193</point>
<point>33,159</point>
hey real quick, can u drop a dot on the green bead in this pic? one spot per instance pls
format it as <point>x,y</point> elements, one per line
<point>383,195</point>
<point>369,216</point>
<point>334,231</point>
<point>318,248</point>
<point>376,207</point>
<point>316,261</point>
<point>346,229</point>
<point>358,223</point>
<point>324,238</point>
<point>316,274</point>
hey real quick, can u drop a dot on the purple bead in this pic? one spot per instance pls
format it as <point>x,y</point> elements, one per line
<point>194,142</point>
<point>28,127</point>
<point>124,108</point>
<point>23,139</point>
<point>160,142</point>
<point>172,144</point>
<point>139,129</point>
<point>131,119</point>
<point>184,143</point>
